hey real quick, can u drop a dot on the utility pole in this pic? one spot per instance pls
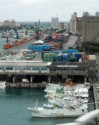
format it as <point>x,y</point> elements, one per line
<point>84,22</point>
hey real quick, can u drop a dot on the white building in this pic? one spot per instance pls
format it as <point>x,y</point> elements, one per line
<point>55,22</point>
<point>73,23</point>
<point>11,23</point>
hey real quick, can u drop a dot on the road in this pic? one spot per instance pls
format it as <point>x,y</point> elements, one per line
<point>70,43</point>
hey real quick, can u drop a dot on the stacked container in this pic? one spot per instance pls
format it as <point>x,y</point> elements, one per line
<point>46,48</point>
<point>78,56</point>
<point>72,51</point>
<point>49,57</point>
<point>59,56</point>
<point>92,57</point>
<point>64,57</point>
<point>38,48</point>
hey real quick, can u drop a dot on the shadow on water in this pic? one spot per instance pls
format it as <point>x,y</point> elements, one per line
<point>22,92</point>
<point>91,105</point>
<point>52,121</point>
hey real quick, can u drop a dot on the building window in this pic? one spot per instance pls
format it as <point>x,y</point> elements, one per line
<point>18,68</point>
<point>43,68</point>
<point>26,68</point>
<point>9,68</point>
<point>35,68</point>
<point>1,68</point>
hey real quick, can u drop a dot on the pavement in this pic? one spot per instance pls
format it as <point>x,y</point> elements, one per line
<point>70,42</point>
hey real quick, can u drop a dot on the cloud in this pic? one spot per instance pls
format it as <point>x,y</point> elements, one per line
<point>27,2</point>
<point>45,9</point>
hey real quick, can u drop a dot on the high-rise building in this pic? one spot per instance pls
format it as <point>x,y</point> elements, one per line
<point>79,24</point>
<point>55,22</point>
<point>73,23</point>
<point>90,27</point>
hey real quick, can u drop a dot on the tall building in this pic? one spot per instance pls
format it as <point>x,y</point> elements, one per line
<point>55,22</point>
<point>90,27</point>
<point>79,24</point>
<point>73,23</point>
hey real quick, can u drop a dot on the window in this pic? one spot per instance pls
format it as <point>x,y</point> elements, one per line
<point>26,68</point>
<point>43,68</point>
<point>18,68</point>
<point>9,68</point>
<point>1,68</point>
<point>35,68</point>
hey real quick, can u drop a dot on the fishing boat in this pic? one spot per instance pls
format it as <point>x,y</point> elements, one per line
<point>2,84</point>
<point>58,111</point>
<point>63,101</point>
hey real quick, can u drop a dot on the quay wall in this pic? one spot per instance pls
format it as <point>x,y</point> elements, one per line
<point>96,97</point>
<point>25,85</point>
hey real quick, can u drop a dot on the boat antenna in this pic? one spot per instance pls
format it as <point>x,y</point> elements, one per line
<point>36,105</point>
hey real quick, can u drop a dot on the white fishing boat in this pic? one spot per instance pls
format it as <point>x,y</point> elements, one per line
<point>63,101</point>
<point>2,84</point>
<point>58,112</point>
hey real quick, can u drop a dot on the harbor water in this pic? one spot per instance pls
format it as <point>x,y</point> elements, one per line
<point>13,108</point>
<point>14,103</point>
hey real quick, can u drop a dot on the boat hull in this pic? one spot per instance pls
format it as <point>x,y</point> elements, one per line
<point>7,46</point>
<point>41,112</point>
<point>2,84</point>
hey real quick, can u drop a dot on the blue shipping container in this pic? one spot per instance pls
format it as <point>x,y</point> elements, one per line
<point>72,50</point>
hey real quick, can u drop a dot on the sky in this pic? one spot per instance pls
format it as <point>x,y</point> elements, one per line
<point>33,10</point>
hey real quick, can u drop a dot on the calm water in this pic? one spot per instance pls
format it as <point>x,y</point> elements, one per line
<point>13,108</point>
<point>2,42</point>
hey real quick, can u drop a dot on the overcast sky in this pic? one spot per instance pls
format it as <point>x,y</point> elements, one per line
<point>33,10</point>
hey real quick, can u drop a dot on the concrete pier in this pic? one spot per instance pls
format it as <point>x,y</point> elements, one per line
<point>96,98</point>
<point>25,85</point>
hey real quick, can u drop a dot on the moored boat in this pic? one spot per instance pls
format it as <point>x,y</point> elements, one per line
<point>16,43</point>
<point>58,112</point>
<point>7,46</point>
<point>64,101</point>
<point>2,84</point>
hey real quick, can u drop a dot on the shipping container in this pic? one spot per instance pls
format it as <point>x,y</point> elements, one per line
<point>92,57</point>
<point>72,51</point>
<point>78,56</point>
<point>40,47</point>
<point>65,57</point>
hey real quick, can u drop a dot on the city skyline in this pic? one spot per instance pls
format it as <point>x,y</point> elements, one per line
<point>33,10</point>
